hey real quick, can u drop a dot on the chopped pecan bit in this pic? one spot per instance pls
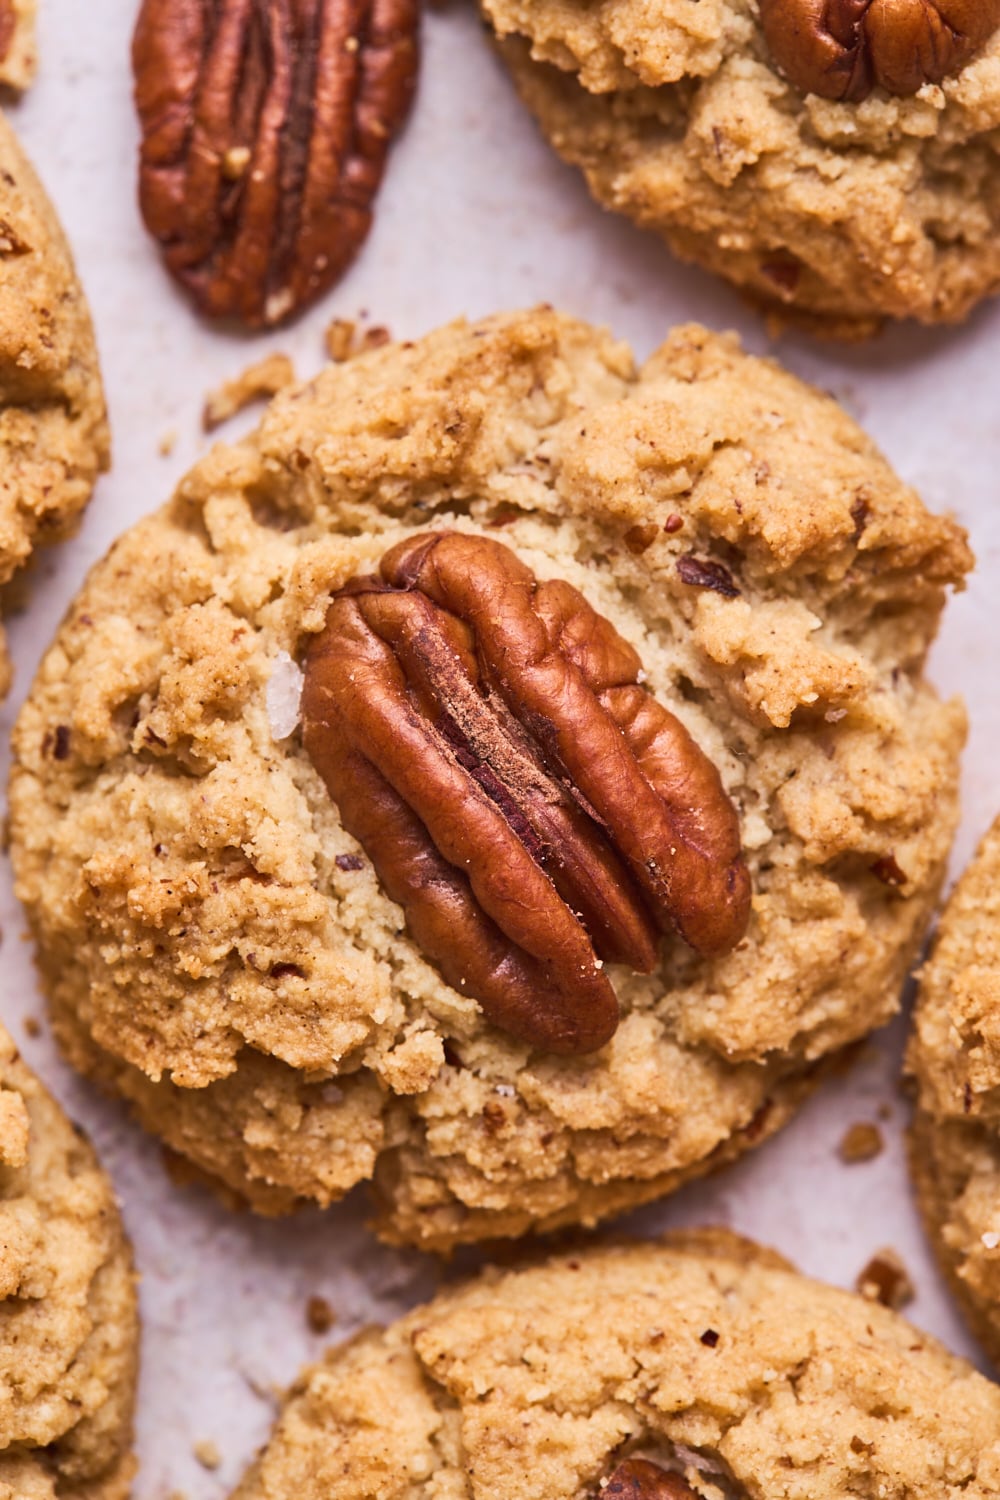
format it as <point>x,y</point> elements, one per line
<point>265,132</point>
<point>638,539</point>
<point>885,1279</point>
<point>887,871</point>
<point>349,862</point>
<point>860,1142</point>
<point>702,573</point>
<point>842,49</point>
<point>710,1338</point>
<point>531,807</point>
<point>638,1479</point>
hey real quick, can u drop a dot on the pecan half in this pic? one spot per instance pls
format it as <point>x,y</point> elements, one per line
<point>842,49</point>
<point>265,130</point>
<point>638,1479</point>
<point>532,808</point>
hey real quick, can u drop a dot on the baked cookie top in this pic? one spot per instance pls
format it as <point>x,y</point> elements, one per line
<point>955,1057</point>
<point>53,426</point>
<point>703,1354</point>
<point>69,1332</point>
<point>688,119</point>
<point>216,947</point>
<point>18,48</point>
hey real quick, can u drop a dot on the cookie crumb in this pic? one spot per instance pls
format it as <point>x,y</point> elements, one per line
<point>862,1142</point>
<point>320,1316</point>
<point>258,382</point>
<point>344,339</point>
<point>207,1454</point>
<point>885,1280</point>
<point>32,1027</point>
<point>168,442</point>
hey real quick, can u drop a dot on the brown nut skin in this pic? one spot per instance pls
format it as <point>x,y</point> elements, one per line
<point>842,49</point>
<point>638,1479</point>
<point>265,130</point>
<point>532,808</point>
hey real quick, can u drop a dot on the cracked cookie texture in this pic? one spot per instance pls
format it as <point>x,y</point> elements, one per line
<point>69,1331</point>
<point>703,1353</point>
<point>53,424</point>
<point>955,1058</point>
<point>834,214</point>
<point>216,948</point>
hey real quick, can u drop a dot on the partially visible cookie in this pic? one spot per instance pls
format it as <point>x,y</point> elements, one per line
<point>69,1326</point>
<point>224,944</point>
<point>53,425</point>
<point>955,1058</point>
<point>838,211</point>
<point>18,51</point>
<point>699,1366</point>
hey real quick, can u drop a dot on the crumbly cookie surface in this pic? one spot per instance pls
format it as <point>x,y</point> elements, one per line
<point>53,426</point>
<point>69,1332</point>
<point>835,213</point>
<point>704,1353</point>
<point>18,45</point>
<point>955,1057</point>
<point>216,948</point>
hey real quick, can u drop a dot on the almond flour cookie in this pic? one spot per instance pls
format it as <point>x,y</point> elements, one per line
<point>700,1366</point>
<point>955,1058</point>
<point>299,1002</point>
<point>53,427</point>
<point>837,162</point>
<point>69,1332</point>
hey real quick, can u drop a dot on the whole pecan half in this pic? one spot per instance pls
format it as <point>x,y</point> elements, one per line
<point>265,129</point>
<point>841,49</point>
<point>532,808</point>
<point>638,1479</point>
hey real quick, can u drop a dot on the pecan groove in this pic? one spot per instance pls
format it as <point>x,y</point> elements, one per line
<point>638,1479</point>
<point>842,49</point>
<point>530,806</point>
<point>265,126</point>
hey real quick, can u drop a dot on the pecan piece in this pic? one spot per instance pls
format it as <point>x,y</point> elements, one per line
<point>638,1479</point>
<point>530,806</point>
<point>842,49</point>
<point>265,129</point>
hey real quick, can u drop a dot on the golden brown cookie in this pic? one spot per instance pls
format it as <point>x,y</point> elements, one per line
<point>837,211</point>
<point>955,1058</point>
<point>696,1368</point>
<point>18,48</point>
<point>53,426</point>
<point>69,1331</point>
<point>218,949</point>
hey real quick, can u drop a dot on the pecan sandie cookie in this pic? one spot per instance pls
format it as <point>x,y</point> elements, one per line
<point>955,1058</point>
<point>833,158</point>
<point>506,776</point>
<point>69,1328</point>
<point>700,1367</point>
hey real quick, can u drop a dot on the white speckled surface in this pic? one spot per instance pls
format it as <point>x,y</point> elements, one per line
<point>475,215</point>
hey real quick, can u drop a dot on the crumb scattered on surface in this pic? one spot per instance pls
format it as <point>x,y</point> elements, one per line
<point>32,1026</point>
<point>320,1316</point>
<point>258,382</point>
<point>168,442</point>
<point>344,339</point>
<point>207,1454</point>
<point>861,1142</point>
<point>886,1280</point>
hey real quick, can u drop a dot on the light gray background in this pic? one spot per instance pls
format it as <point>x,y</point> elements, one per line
<point>475,215</point>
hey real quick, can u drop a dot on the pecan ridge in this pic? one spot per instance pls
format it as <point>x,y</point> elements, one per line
<point>639,1479</point>
<point>265,126</point>
<point>527,802</point>
<point>842,49</point>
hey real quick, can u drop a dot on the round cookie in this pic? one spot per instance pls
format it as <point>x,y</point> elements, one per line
<point>217,948</point>
<point>53,424</point>
<point>837,212</point>
<point>954,1056</point>
<point>702,1355</point>
<point>69,1334</point>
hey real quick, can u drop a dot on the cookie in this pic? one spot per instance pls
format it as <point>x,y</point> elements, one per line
<point>954,1056</point>
<point>838,212</point>
<point>18,50</point>
<point>279,997</point>
<point>53,425</point>
<point>699,1366</point>
<point>69,1334</point>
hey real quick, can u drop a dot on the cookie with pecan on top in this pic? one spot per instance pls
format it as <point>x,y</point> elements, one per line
<point>506,777</point>
<point>700,1367</point>
<point>833,158</point>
